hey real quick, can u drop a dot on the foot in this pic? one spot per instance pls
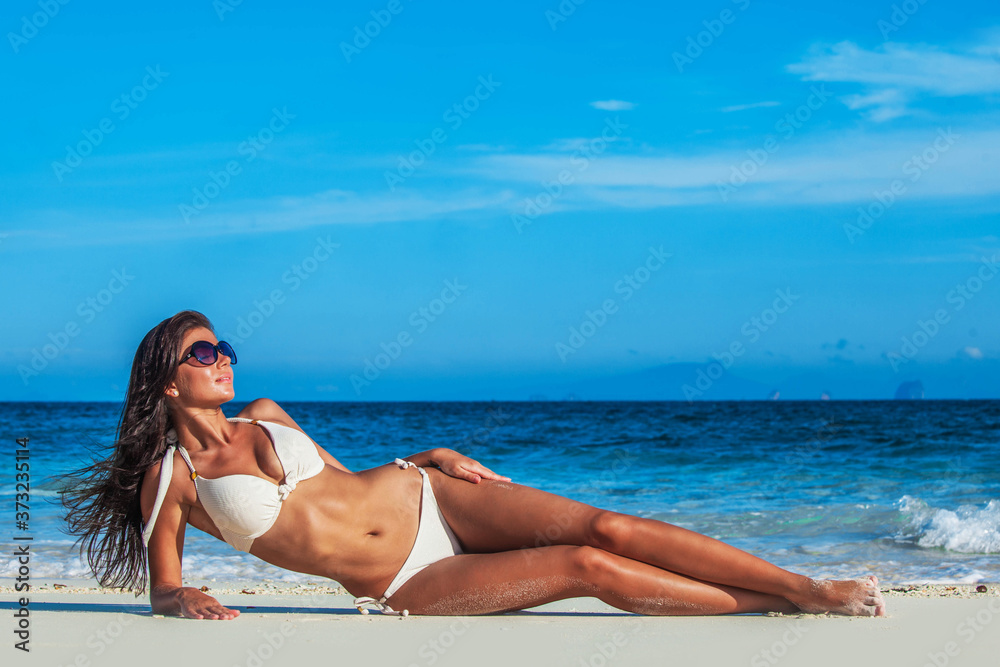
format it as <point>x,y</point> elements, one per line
<point>857,597</point>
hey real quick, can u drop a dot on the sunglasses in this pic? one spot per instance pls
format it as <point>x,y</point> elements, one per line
<point>206,353</point>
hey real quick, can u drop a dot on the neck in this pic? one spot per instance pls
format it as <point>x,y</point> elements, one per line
<point>204,429</point>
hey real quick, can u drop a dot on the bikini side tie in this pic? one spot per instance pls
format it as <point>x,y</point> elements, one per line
<point>379,603</point>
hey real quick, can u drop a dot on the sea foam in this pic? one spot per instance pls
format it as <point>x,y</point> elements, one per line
<point>968,529</point>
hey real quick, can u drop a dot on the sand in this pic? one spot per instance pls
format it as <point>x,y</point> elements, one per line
<point>286,624</point>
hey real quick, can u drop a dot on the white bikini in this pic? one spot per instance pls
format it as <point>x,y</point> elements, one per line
<point>244,507</point>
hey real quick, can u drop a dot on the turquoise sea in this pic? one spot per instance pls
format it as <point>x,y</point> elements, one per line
<point>908,490</point>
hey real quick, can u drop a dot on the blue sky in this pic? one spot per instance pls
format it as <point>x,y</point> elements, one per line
<point>572,198</point>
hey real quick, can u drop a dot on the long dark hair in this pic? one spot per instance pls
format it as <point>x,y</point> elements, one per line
<point>102,499</point>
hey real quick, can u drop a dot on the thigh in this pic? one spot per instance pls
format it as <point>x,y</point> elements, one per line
<point>496,516</point>
<point>470,584</point>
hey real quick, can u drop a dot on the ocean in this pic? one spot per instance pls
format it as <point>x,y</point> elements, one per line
<point>907,490</point>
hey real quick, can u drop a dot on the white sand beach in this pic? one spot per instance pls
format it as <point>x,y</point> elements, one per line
<point>74,623</point>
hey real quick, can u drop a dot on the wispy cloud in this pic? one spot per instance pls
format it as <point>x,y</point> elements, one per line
<point>836,168</point>
<point>613,105</point>
<point>331,207</point>
<point>894,76</point>
<point>483,148</point>
<point>744,107</point>
<point>972,352</point>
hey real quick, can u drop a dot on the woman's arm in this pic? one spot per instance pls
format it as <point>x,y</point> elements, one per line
<point>268,410</point>
<point>166,546</point>
<point>457,465</point>
<point>448,460</point>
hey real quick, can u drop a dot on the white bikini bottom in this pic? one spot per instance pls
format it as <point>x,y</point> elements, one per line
<point>435,540</point>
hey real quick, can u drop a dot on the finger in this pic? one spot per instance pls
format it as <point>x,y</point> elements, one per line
<point>489,474</point>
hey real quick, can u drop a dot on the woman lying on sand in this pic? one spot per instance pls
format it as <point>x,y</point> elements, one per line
<point>435,533</point>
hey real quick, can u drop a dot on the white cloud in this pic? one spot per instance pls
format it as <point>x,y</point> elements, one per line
<point>973,352</point>
<point>482,148</point>
<point>754,105</point>
<point>848,166</point>
<point>331,207</point>
<point>567,145</point>
<point>613,105</point>
<point>896,75</point>
<point>882,105</point>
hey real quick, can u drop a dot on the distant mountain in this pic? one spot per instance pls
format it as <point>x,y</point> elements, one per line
<point>910,390</point>
<point>672,382</point>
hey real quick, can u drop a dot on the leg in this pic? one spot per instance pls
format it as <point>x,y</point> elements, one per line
<point>489,583</point>
<point>499,516</point>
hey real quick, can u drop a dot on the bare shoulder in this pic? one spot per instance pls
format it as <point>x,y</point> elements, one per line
<point>268,410</point>
<point>151,484</point>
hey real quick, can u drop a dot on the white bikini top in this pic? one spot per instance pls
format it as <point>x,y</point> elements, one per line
<point>244,507</point>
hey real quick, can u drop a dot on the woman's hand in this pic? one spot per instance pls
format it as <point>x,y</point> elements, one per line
<point>193,603</point>
<point>457,465</point>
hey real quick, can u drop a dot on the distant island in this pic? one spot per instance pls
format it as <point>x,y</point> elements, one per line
<point>910,390</point>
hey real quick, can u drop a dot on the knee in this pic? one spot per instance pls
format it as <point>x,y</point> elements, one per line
<point>610,530</point>
<point>591,564</point>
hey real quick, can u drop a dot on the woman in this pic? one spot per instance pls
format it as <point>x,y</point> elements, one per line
<point>435,533</point>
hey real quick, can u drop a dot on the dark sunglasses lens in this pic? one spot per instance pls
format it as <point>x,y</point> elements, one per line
<point>204,352</point>
<point>227,350</point>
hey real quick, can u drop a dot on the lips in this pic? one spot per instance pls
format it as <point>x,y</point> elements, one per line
<point>224,378</point>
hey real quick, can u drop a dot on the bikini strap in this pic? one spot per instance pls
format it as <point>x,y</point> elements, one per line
<point>380,605</point>
<point>187,460</point>
<point>243,419</point>
<point>166,473</point>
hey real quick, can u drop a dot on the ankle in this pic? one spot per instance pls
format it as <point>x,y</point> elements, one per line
<point>803,587</point>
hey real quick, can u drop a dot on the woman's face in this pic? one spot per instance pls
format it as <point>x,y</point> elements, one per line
<point>197,385</point>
